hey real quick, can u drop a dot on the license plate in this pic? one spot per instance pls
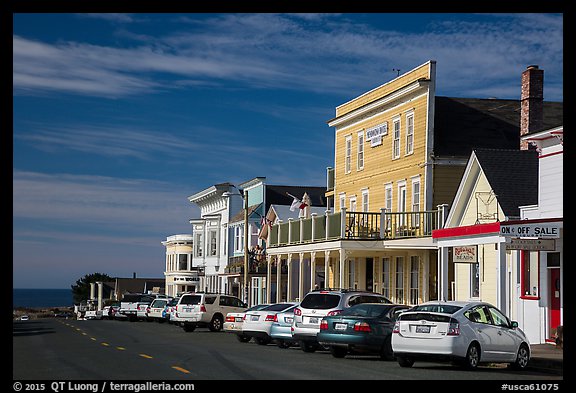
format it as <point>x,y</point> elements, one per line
<point>254,318</point>
<point>187,309</point>
<point>313,320</point>
<point>288,320</point>
<point>238,319</point>
<point>340,326</point>
<point>422,329</point>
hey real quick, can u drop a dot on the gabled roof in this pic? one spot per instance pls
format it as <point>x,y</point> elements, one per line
<point>240,215</point>
<point>513,176</point>
<point>464,124</point>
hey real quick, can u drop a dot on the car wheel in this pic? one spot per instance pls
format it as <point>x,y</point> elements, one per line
<point>307,346</point>
<point>216,323</point>
<point>283,344</point>
<point>404,361</point>
<point>472,357</point>
<point>263,340</point>
<point>386,352</point>
<point>522,358</point>
<point>242,338</point>
<point>189,327</point>
<point>338,352</point>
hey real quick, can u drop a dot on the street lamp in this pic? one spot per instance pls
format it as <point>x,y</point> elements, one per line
<point>244,196</point>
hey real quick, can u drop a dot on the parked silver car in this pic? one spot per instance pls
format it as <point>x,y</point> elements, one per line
<point>468,333</point>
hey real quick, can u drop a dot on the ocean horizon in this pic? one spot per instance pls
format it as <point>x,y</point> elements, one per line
<point>42,297</point>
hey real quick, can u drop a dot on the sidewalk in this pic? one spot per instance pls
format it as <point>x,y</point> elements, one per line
<point>546,357</point>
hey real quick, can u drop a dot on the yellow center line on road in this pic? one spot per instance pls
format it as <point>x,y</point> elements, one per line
<point>121,348</point>
<point>84,333</point>
<point>146,356</point>
<point>93,338</point>
<point>106,344</point>
<point>182,370</point>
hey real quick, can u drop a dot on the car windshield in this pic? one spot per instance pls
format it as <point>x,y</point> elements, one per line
<point>320,301</point>
<point>366,310</point>
<point>159,303</point>
<point>191,299</point>
<point>442,308</point>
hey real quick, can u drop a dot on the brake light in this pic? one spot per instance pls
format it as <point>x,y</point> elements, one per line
<point>334,312</point>
<point>453,328</point>
<point>275,318</point>
<point>244,317</point>
<point>230,319</point>
<point>362,327</point>
<point>269,317</point>
<point>323,325</point>
<point>202,308</point>
<point>297,312</point>
<point>396,327</point>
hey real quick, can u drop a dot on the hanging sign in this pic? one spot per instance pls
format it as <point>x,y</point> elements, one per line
<point>465,254</point>
<point>543,230</point>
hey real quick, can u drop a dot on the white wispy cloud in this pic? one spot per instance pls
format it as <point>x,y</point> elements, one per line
<point>323,53</point>
<point>99,201</point>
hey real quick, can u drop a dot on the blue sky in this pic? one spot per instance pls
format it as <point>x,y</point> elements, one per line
<point>118,118</point>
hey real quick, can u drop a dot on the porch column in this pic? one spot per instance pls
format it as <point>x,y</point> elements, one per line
<point>268,278</point>
<point>301,276</point>
<point>289,283</point>
<point>443,284</point>
<point>326,268</point>
<point>341,268</point>
<point>278,278</point>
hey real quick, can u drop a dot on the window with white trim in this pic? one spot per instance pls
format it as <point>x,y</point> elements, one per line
<point>198,242</point>
<point>365,200</point>
<point>348,155</point>
<point>388,203</point>
<point>353,204</point>
<point>410,133</point>
<point>414,273</point>
<point>400,280</point>
<point>402,202</point>
<point>238,238</point>
<point>213,240</point>
<point>342,201</point>
<point>386,277</point>
<point>416,202</point>
<point>360,156</point>
<point>396,138</point>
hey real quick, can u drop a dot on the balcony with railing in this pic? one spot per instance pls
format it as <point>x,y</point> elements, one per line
<point>345,225</point>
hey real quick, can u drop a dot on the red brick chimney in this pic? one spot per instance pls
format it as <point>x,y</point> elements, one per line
<point>531,102</point>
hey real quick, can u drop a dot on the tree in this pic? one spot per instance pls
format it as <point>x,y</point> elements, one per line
<point>81,291</point>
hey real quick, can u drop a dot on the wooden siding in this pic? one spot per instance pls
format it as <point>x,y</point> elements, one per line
<point>422,71</point>
<point>446,179</point>
<point>379,166</point>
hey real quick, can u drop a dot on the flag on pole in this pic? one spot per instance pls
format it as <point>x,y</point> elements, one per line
<point>296,203</point>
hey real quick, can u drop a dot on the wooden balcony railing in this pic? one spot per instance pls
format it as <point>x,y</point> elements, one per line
<point>357,225</point>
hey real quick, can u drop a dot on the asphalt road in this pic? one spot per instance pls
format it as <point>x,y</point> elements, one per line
<point>60,349</point>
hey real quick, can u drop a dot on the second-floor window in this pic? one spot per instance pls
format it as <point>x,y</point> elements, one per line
<point>238,239</point>
<point>396,139</point>
<point>213,234</point>
<point>348,155</point>
<point>409,133</point>
<point>360,159</point>
<point>182,261</point>
<point>416,202</point>
<point>198,245</point>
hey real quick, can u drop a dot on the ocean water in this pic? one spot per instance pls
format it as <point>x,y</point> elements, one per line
<point>25,297</point>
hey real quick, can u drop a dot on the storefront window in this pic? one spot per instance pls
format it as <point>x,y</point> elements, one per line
<point>386,277</point>
<point>530,262</point>
<point>475,280</point>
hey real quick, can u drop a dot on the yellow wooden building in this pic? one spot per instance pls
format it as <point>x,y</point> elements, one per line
<point>399,155</point>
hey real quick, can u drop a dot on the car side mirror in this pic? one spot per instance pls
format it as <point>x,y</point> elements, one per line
<point>514,324</point>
